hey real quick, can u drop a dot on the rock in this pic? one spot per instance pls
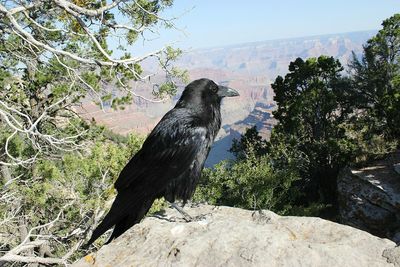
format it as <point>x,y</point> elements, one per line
<point>369,197</point>
<point>396,167</point>
<point>392,255</point>
<point>234,237</point>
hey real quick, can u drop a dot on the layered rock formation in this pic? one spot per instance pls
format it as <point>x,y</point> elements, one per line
<point>369,197</point>
<point>271,58</point>
<point>235,237</point>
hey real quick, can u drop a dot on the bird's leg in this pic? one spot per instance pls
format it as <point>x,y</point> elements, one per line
<point>185,215</point>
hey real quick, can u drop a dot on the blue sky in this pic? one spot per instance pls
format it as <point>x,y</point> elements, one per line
<point>208,23</point>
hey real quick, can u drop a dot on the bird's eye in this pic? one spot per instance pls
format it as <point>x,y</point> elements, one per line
<point>214,88</point>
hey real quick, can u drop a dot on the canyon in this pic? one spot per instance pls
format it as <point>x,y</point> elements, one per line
<point>249,68</point>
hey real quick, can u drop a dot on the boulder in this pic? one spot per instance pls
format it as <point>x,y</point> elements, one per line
<point>369,197</point>
<point>223,236</point>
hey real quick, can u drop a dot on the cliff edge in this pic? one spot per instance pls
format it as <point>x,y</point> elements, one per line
<point>224,236</point>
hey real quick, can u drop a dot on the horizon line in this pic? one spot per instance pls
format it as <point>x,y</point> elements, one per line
<point>279,39</point>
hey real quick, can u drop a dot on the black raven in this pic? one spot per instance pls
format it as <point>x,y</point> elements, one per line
<point>171,159</point>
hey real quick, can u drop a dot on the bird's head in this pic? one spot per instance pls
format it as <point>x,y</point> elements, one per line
<point>205,91</point>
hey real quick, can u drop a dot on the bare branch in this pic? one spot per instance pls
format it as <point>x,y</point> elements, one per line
<point>85,11</point>
<point>112,62</point>
<point>126,27</point>
<point>125,87</point>
<point>33,50</point>
<point>13,254</point>
<point>32,131</point>
<point>18,9</point>
<point>48,29</point>
<point>32,259</point>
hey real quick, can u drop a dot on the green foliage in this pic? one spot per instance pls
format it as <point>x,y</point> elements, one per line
<point>165,89</point>
<point>131,37</point>
<point>252,181</point>
<point>307,96</point>
<point>158,206</point>
<point>329,121</point>
<point>376,76</point>
<point>249,142</point>
<point>169,86</point>
<point>310,210</point>
<point>318,133</point>
<point>35,77</point>
<point>79,185</point>
<point>54,165</point>
<point>264,175</point>
<point>251,184</point>
<point>312,110</point>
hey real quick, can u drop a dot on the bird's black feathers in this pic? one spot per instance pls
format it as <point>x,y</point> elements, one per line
<point>171,158</point>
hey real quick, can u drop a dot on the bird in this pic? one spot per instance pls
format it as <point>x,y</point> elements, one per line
<point>171,158</point>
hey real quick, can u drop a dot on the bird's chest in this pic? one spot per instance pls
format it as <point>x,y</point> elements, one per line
<point>205,147</point>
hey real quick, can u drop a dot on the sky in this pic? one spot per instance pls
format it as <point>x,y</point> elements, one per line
<point>209,23</point>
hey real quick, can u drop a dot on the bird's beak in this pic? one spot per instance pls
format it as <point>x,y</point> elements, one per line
<point>224,91</point>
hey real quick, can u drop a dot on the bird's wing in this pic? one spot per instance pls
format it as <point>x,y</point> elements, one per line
<point>169,150</point>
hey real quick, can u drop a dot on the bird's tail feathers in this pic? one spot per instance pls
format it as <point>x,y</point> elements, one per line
<point>131,219</point>
<point>122,216</point>
<point>109,220</point>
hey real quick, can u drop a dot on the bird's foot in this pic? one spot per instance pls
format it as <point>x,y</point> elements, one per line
<point>185,215</point>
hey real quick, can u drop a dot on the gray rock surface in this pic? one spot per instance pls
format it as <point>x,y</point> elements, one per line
<point>369,197</point>
<point>392,255</point>
<point>396,167</point>
<point>234,237</point>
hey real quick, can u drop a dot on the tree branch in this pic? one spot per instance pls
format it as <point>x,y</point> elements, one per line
<point>85,11</point>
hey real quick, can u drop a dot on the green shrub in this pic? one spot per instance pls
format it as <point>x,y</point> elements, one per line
<point>251,183</point>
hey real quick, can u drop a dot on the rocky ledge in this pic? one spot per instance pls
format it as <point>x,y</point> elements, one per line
<point>369,197</point>
<point>224,236</point>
